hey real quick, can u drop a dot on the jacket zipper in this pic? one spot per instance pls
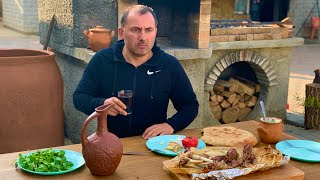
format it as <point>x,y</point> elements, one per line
<point>133,97</point>
<point>134,86</point>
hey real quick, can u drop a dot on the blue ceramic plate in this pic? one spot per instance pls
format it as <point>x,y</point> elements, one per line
<point>158,144</point>
<point>302,150</point>
<point>75,157</point>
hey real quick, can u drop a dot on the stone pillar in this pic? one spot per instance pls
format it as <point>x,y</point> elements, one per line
<point>72,17</point>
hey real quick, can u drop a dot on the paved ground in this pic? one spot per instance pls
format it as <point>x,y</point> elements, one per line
<point>304,60</point>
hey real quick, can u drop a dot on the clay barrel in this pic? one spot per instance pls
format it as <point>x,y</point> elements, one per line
<point>31,100</point>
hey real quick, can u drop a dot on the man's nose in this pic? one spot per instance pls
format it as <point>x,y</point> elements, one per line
<point>143,35</point>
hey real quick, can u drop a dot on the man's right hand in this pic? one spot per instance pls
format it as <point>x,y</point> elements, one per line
<point>118,106</point>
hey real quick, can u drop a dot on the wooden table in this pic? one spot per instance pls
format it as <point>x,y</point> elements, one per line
<point>137,166</point>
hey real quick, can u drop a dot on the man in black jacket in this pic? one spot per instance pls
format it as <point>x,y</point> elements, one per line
<point>137,64</point>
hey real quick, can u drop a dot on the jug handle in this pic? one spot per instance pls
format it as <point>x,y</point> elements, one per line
<point>101,110</point>
<point>86,33</point>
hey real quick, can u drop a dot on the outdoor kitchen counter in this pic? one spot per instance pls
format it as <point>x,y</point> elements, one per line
<point>137,166</point>
<point>182,53</point>
<point>290,42</point>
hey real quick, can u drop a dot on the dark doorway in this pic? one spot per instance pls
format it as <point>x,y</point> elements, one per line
<point>268,10</point>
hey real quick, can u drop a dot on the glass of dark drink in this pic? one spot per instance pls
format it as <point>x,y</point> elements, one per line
<point>126,97</point>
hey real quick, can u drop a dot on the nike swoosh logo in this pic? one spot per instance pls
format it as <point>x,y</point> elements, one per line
<point>150,73</point>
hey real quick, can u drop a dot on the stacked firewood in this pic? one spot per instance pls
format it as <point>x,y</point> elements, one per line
<point>232,100</point>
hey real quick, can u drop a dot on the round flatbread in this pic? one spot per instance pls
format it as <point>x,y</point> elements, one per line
<point>228,136</point>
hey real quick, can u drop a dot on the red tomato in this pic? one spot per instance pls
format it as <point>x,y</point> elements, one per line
<point>189,142</point>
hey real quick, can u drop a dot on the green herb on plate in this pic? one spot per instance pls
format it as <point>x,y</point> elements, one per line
<point>47,160</point>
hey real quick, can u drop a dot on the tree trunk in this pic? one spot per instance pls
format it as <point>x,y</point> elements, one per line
<point>312,107</point>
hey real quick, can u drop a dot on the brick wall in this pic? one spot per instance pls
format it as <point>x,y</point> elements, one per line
<point>21,15</point>
<point>299,11</point>
<point>249,34</point>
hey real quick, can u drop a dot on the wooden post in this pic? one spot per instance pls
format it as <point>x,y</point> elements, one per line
<point>312,107</point>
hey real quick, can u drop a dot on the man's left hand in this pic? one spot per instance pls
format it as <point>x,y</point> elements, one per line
<point>157,129</point>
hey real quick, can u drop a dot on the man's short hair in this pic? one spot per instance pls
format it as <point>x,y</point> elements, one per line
<point>141,9</point>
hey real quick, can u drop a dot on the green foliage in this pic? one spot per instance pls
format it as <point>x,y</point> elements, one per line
<point>47,160</point>
<point>308,102</point>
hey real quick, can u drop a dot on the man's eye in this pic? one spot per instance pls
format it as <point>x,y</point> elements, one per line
<point>135,30</point>
<point>149,30</point>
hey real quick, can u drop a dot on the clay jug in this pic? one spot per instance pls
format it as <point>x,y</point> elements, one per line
<point>99,37</point>
<point>31,105</point>
<point>102,150</point>
<point>270,130</point>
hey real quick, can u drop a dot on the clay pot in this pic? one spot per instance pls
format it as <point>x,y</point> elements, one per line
<point>31,105</point>
<point>270,131</point>
<point>102,151</point>
<point>99,37</point>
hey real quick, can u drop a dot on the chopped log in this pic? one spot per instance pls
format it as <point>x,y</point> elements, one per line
<point>235,86</point>
<point>241,98</point>
<point>226,94</point>
<point>243,113</point>
<point>218,88</point>
<point>214,103</point>
<point>241,105</point>
<point>225,104</point>
<point>216,111</point>
<point>230,115</point>
<point>246,81</point>
<point>233,81</point>
<point>216,98</point>
<point>235,103</point>
<point>250,90</point>
<point>252,101</point>
<point>246,97</point>
<point>258,88</point>
<point>223,83</point>
<point>232,97</point>
<point>236,107</point>
<point>312,107</point>
<point>245,85</point>
<point>219,98</point>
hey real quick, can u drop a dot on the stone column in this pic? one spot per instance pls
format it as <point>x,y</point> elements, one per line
<point>72,17</point>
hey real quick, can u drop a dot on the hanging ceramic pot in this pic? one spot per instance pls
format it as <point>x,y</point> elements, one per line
<point>99,37</point>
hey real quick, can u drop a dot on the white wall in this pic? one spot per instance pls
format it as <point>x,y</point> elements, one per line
<point>21,15</point>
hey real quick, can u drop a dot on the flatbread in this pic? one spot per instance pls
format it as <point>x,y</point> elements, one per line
<point>228,136</point>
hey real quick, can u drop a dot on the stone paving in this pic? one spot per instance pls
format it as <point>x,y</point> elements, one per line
<point>304,60</point>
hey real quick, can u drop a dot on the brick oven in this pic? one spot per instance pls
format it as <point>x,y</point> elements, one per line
<point>251,69</point>
<point>181,23</point>
<point>261,66</point>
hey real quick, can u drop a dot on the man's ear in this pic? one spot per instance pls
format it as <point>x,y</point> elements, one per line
<point>121,32</point>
